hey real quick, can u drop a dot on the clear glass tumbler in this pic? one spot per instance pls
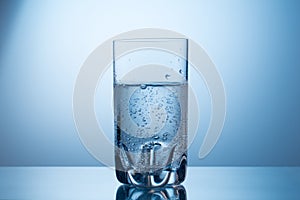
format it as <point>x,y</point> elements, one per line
<point>150,110</point>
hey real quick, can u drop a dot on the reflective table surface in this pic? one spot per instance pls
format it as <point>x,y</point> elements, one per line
<point>100,183</point>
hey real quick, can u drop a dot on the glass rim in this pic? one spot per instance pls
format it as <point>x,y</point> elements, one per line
<point>154,39</point>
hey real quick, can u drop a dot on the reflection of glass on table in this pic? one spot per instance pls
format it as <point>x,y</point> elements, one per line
<point>127,192</point>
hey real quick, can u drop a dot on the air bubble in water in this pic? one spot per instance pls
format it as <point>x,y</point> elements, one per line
<point>169,101</point>
<point>180,71</point>
<point>156,137</point>
<point>167,76</point>
<point>143,86</point>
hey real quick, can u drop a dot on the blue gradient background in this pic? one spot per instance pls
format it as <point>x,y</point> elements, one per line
<point>254,44</point>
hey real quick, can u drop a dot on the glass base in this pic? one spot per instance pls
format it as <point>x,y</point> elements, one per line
<point>158,178</point>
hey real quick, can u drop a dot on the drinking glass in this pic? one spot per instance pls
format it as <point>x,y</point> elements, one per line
<point>150,79</point>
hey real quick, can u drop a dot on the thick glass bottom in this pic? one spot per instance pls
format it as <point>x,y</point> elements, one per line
<point>158,178</point>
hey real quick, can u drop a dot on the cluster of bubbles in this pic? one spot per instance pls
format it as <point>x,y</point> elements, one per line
<point>155,111</point>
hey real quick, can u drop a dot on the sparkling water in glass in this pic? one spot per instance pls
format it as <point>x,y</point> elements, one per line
<point>150,110</point>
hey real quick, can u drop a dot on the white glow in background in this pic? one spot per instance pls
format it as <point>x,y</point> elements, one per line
<point>255,46</point>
